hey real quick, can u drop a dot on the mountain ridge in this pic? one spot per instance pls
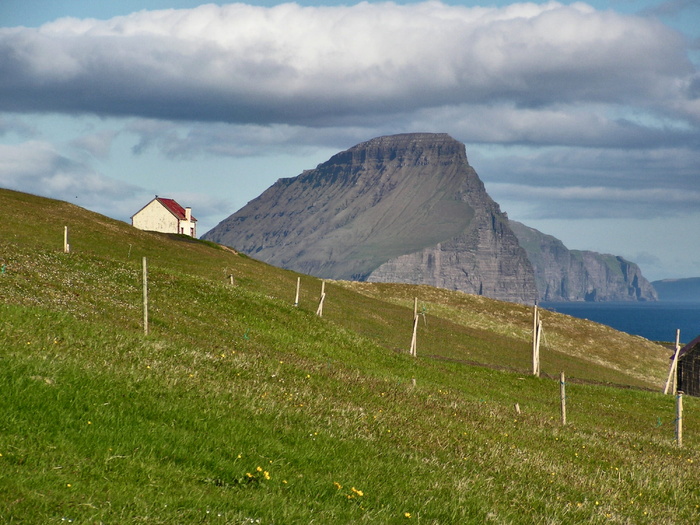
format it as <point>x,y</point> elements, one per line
<point>410,208</point>
<point>402,208</point>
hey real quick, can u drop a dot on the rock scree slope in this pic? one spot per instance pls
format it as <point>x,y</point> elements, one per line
<point>402,208</point>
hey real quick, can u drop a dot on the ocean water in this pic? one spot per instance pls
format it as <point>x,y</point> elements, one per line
<point>656,321</point>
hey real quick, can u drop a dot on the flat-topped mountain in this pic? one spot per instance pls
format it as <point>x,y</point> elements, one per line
<point>403,208</point>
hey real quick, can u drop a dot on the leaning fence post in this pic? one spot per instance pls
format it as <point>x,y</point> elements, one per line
<point>296,297</point>
<point>562,395</point>
<point>413,350</point>
<point>319,311</point>
<point>145,297</point>
<point>675,359</point>
<point>673,372</point>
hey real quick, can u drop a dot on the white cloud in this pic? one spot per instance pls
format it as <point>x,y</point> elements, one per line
<point>97,144</point>
<point>13,125</point>
<point>37,167</point>
<point>571,115</point>
<point>296,65</point>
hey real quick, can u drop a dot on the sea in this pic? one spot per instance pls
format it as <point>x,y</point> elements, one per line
<point>656,321</point>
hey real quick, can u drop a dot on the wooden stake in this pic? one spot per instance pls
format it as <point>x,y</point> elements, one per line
<point>413,349</point>
<point>230,277</point>
<point>673,372</point>
<point>536,350</point>
<point>296,297</point>
<point>535,342</point>
<point>675,359</point>
<point>66,246</point>
<point>562,396</point>
<point>679,419</point>
<point>319,311</point>
<point>145,297</point>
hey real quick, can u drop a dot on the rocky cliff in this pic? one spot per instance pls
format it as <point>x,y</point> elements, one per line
<point>572,275</point>
<point>403,208</point>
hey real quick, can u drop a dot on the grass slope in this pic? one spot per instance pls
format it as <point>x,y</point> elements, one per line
<point>240,408</point>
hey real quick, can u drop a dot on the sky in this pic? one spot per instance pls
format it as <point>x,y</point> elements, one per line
<point>582,119</point>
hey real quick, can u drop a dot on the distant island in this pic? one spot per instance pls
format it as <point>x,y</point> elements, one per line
<point>679,290</point>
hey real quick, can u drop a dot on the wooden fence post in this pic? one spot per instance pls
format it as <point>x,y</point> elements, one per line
<point>145,297</point>
<point>536,326</point>
<point>319,311</point>
<point>296,297</point>
<point>66,246</point>
<point>562,395</point>
<point>413,350</point>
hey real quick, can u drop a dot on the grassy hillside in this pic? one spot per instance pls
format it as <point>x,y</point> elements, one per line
<point>240,408</point>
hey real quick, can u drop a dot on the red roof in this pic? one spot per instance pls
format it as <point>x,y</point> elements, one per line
<point>173,207</point>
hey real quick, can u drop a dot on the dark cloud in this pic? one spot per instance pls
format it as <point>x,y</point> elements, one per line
<point>177,141</point>
<point>596,183</point>
<point>671,7</point>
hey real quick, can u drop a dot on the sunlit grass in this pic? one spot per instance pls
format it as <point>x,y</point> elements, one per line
<point>241,408</point>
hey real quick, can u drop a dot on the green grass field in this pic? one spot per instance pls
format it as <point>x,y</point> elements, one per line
<point>240,408</point>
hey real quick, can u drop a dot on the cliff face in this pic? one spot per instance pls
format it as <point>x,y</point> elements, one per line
<point>404,208</point>
<point>572,275</point>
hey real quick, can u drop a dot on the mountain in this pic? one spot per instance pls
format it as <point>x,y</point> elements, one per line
<point>682,290</point>
<point>573,275</point>
<point>403,208</point>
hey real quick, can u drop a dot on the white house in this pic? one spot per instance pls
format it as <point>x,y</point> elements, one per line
<point>166,216</point>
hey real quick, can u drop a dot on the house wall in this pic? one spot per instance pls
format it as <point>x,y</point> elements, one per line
<point>154,217</point>
<point>188,228</point>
